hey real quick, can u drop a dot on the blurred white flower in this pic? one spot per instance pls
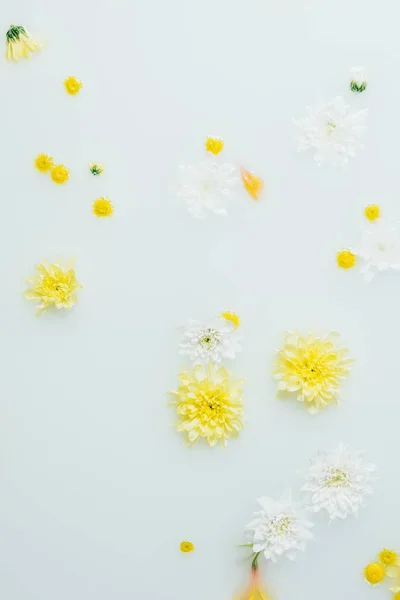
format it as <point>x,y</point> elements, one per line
<point>207,187</point>
<point>210,342</point>
<point>338,482</point>
<point>331,131</point>
<point>357,81</point>
<point>380,250</point>
<point>279,528</point>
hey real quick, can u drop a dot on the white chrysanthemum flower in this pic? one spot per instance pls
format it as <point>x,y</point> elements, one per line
<point>380,250</point>
<point>211,342</point>
<point>279,528</point>
<point>331,131</point>
<point>338,482</point>
<point>206,187</point>
<point>357,81</point>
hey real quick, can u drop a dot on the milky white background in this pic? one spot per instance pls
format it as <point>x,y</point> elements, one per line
<point>96,488</point>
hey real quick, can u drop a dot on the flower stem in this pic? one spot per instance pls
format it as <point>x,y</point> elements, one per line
<point>254,562</point>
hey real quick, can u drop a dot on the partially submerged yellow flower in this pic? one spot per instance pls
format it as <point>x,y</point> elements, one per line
<point>231,316</point>
<point>214,145</point>
<point>394,573</point>
<point>96,168</point>
<point>209,405</point>
<point>19,43</point>
<point>374,573</point>
<point>186,547</point>
<point>254,590</point>
<point>102,207</point>
<point>346,259</point>
<point>253,184</point>
<point>73,85</point>
<point>43,163</point>
<point>53,285</point>
<point>313,368</point>
<point>388,557</point>
<point>60,174</point>
<point>372,212</point>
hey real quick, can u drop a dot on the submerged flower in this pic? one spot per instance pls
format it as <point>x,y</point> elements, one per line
<point>372,212</point>
<point>380,250</point>
<point>59,174</point>
<point>278,529</point>
<point>388,557</point>
<point>231,316</point>
<point>214,145</point>
<point>19,43</point>
<point>253,184</point>
<point>206,187</point>
<point>96,168</point>
<point>374,573</point>
<point>102,207</point>
<point>313,368</point>
<point>357,82</point>
<point>331,131</point>
<point>254,589</point>
<point>346,259</point>
<point>209,405</point>
<point>43,163</point>
<point>186,547</point>
<point>53,285</point>
<point>394,573</point>
<point>73,85</point>
<point>338,482</point>
<point>210,342</point>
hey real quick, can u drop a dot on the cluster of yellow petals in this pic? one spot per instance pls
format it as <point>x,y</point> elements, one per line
<point>209,405</point>
<point>388,565</point>
<point>54,285</point>
<point>372,212</point>
<point>374,573</point>
<point>19,43</point>
<point>214,145</point>
<point>73,85</point>
<point>102,207</point>
<point>253,184</point>
<point>313,368</point>
<point>186,547</point>
<point>60,174</point>
<point>231,316</point>
<point>388,557</point>
<point>43,163</point>
<point>96,168</point>
<point>346,259</point>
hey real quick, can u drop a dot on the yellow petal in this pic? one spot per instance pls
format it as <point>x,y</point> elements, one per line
<point>253,184</point>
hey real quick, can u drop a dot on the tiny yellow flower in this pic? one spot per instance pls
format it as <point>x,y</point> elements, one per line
<point>388,557</point>
<point>346,259</point>
<point>230,316</point>
<point>374,573</point>
<point>214,145</point>
<point>43,163</point>
<point>372,212</point>
<point>59,174</point>
<point>19,43</point>
<point>96,168</point>
<point>73,85</point>
<point>187,547</point>
<point>102,207</point>
<point>53,285</point>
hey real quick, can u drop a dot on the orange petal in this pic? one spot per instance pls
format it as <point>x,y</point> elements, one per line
<point>253,184</point>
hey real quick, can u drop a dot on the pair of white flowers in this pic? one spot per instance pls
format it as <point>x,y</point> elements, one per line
<point>336,483</point>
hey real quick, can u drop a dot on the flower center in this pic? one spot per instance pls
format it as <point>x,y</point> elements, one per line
<point>211,404</point>
<point>311,372</point>
<point>336,478</point>
<point>331,127</point>
<point>281,524</point>
<point>209,339</point>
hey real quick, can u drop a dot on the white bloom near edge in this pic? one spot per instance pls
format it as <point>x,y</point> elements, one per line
<point>206,187</point>
<point>332,131</point>
<point>211,342</point>
<point>279,528</point>
<point>338,482</point>
<point>380,250</point>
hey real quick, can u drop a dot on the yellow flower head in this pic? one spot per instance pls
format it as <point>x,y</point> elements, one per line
<point>209,405</point>
<point>44,163</point>
<point>374,573</point>
<point>186,547</point>
<point>214,145</point>
<point>388,557</point>
<point>73,85</point>
<point>396,595</point>
<point>102,207</point>
<point>53,285</point>
<point>231,316</point>
<point>346,259</point>
<point>59,174</point>
<point>372,212</point>
<point>19,43</point>
<point>313,368</point>
<point>96,168</point>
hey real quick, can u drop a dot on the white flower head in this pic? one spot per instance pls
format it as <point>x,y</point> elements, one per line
<point>380,250</point>
<point>331,131</point>
<point>338,482</point>
<point>279,528</point>
<point>207,187</point>
<point>357,79</point>
<point>210,342</point>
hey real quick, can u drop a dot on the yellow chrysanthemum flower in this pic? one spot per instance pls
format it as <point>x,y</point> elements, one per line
<point>231,316</point>
<point>388,557</point>
<point>209,405</point>
<point>59,174</point>
<point>313,367</point>
<point>372,212</point>
<point>214,145</point>
<point>53,285</point>
<point>346,259</point>
<point>43,163</point>
<point>186,547</point>
<point>374,573</point>
<point>19,43</point>
<point>96,168</point>
<point>102,207</point>
<point>73,85</point>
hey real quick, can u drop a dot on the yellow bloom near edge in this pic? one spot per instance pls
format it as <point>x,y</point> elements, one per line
<point>53,285</point>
